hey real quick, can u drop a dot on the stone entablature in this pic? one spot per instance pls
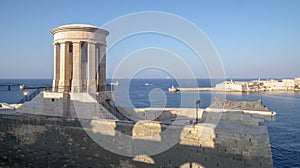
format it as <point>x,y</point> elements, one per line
<point>79,58</point>
<point>79,32</point>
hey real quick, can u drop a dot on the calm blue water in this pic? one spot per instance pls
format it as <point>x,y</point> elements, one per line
<point>284,132</point>
<point>15,95</point>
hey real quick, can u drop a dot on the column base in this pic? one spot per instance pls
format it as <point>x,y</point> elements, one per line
<point>91,86</point>
<point>63,86</point>
<point>76,89</point>
<point>55,86</point>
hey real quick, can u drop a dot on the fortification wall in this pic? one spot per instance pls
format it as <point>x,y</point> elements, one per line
<point>238,105</point>
<point>42,141</point>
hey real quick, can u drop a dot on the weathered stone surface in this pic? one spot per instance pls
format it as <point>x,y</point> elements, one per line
<point>238,105</point>
<point>44,141</point>
<point>149,130</point>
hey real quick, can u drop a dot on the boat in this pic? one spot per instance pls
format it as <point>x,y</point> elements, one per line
<point>173,89</point>
<point>114,84</point>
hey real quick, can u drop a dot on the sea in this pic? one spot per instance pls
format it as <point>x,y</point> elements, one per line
<point>284,131</point>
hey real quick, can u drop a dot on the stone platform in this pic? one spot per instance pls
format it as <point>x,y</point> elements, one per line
<point>59,129</point>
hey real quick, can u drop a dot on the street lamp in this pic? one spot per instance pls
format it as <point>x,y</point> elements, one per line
<point>22,87</point>
<point>25,95</point>
<point>197,106</point>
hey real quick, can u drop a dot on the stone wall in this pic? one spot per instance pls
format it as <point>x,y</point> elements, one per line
<point>68,105</point>
<point>238,105</point>
<point>43,141</point>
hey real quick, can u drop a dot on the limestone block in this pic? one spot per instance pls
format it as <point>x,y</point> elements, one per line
<point>149,130</point>
<point>144,159</point>
<point>192,165</point>
<point>103,127</point>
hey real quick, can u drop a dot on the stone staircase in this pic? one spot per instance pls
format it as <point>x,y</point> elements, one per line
<point>107,107</point>
<point>106,114</point>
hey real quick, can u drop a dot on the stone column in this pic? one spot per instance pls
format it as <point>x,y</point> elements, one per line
<point>102,68</point>
<point>68,69</point>
<point>70,63</point>
<point>84,55</point>
<point>76,80</point>
<point>91,78</point>
<point>64,83</point>
<point>56,67</point>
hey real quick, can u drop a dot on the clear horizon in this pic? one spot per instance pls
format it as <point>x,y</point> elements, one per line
<point>254,39</point>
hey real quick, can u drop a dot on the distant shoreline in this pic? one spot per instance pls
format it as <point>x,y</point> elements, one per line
<point>283,85</point>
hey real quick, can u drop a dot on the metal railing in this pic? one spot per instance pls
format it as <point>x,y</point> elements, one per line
<point>30,96</point>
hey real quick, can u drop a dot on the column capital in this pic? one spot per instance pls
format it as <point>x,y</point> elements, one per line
<point>102,44</point>
<point>91,42</point>
<point>62,42</point>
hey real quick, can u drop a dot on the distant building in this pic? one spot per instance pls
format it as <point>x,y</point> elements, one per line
<point>232,86</point>
<point>275,85</point>
<point>288,84</point>
<point>297,83</point>
<point>260,85</point>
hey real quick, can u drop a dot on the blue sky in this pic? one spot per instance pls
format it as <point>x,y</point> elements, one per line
<point>253,38</point>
